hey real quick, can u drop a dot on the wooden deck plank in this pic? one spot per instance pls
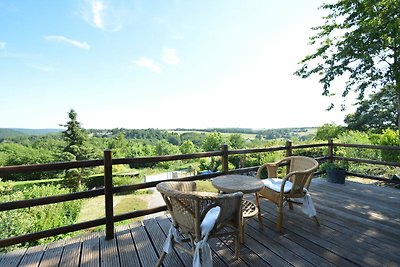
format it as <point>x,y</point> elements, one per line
<point>13,258</point>
<point>127,251</point>
<point>216,255</point>
<point>108,252</point>
<point>269,233</point>
<point>362,204</point>
<point>385,247</point>
<point>357,193</point>
<point>147,254</point>
<point>32,256</point>
<point>356,242</point>
<point>279,249</point>
<point>312,237</point>
<point>165,224</point>
<point>355,252</point>
<point>366,227</point>
<point>90,250</point>
<point>71,253</point>
<point>158,237</point>
<point>52,255</point>
<point>246,254</point>
<point>359,227</point>
<point>223,255</point>
<point>358,221</point>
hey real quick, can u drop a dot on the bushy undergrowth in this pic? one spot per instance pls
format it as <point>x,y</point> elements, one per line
<point>22,221</point>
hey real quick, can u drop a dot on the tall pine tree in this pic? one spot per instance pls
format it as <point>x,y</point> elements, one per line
<point>77,148</point>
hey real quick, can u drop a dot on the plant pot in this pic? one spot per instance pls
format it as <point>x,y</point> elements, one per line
<point>336,176</point>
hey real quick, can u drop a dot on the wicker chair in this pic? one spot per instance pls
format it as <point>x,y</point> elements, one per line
<point>188,209</point>
<point>294,185</point>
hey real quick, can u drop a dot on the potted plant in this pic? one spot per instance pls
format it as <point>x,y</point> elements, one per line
<point>335,171</point>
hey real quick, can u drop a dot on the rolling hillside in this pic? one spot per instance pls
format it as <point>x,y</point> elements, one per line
<point>15,132</point>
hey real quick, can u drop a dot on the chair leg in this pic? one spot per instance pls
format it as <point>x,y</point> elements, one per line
<point>242,234</point>
<point>279,223</point>
<point>316,220</point>
<point>237,245</point>
<point>260,224</point>
<point>160,260</point>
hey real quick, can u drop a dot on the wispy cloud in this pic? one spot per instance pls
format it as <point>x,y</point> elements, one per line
<point>97,8</point>
<point>105,16</point>
<point>148,63</point>
<point>3,45</point>
<point>170,57</point>
<point>63,39</point>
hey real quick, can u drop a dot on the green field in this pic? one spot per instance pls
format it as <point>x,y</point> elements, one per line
<point>245,136</point>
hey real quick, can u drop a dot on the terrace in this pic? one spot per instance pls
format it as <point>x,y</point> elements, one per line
<point>359,224</point>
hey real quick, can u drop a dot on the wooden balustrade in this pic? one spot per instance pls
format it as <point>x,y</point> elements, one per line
<point>109,190</point>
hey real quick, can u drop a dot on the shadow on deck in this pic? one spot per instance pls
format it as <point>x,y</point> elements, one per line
<point>360,226</point>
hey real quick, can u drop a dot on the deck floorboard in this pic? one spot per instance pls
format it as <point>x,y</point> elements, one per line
<point>360,226</point>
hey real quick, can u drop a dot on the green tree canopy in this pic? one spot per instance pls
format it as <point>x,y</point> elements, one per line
<point>187,147</point>
<point>237,141</point>
<point>76,138</point>
<point>328,131</point>
<point>359,39</point>
<point>214,141</point>
<point>163,148</point>
<point>77,147</point>
<point>376,113</point>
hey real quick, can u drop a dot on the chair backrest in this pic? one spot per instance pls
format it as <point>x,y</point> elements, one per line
<point>188,206</point>
<point>301,171</point>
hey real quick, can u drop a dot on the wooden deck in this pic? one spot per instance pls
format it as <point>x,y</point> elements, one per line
<point>360,226</point>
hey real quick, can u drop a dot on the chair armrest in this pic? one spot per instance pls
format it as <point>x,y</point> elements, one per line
<point>272,168</point>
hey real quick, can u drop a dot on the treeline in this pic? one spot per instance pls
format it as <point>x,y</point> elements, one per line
<point>303,133</point>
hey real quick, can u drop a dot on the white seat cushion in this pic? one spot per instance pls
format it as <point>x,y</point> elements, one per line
<point>209,220</point>
<point>275,184</point>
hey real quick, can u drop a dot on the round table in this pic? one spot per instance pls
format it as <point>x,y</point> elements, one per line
<point>237,183</point>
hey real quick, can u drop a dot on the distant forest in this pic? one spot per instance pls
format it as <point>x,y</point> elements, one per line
<point>302,133</point>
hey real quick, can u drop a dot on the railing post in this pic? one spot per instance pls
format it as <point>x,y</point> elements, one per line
<point>289,150</point>
<point>108,194</point>
<point>330,150</point>
<point>224,149</point>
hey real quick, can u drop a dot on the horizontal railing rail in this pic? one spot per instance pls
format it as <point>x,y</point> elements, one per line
<point>108,191</point>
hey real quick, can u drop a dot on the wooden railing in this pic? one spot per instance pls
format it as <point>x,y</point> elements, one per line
<point>109,189</point>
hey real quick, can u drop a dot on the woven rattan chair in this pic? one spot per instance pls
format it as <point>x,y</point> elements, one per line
<point>294,185</point>
<point>189,207</point>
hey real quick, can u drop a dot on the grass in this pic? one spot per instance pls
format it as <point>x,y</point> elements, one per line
<point>244,135</point>
<point>36,182</point>
<point>205,186</point>
<point>93,208</point>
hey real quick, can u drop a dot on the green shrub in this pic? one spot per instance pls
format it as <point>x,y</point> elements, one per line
<point>94,181</point>
<point>389,137</point>
<point>22,221</point>
<point>129,180</point>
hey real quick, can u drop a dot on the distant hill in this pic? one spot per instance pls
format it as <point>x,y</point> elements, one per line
<point>15,132</point>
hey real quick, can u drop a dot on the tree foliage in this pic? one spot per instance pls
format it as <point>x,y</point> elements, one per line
<point>214,141</point>
<point>328,131</point>
<point>389,137</point>
<point>376,113</point>
<point>22,221</point>
<point>78,147</point>
<point>237,141</point>
<point>360,39</point>
<point>76,138</point>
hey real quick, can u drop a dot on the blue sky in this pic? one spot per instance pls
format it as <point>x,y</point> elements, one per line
<point>159,64</point>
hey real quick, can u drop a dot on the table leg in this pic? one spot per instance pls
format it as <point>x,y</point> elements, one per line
<point>260,224</point>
